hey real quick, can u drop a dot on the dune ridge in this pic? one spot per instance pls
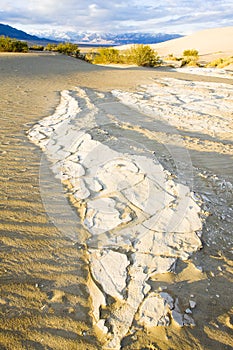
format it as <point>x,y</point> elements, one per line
<point>215,41</point>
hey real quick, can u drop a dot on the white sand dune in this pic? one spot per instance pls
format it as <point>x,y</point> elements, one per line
<point>209,41</point>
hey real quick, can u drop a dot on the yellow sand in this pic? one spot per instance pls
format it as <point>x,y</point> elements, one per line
<point>44,301</point>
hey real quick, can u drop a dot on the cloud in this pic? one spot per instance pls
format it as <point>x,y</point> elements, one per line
<point>120,16</point>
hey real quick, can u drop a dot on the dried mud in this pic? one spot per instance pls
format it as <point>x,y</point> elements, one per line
<point>44,301</point>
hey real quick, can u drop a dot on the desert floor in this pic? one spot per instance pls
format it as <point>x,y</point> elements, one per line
<point>44,300</point>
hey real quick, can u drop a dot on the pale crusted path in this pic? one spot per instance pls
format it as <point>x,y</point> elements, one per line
<point>139,220</point>
<point>110,174</point>
<point>44,300</point>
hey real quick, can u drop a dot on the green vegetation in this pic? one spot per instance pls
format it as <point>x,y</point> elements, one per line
<point>220,62</point>
<point>105,55</point>
<point>65,48</point>
<point>190,53</point>
<point>12,45</point>
<point>37,47</point>
<point>141,55</point>
<point>51,47</point>
<point>190,58</point>
<point>171,57</point>
<point>68,49</point>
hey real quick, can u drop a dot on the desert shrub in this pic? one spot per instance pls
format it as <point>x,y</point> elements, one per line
<point>171,57</point>
<point>190,58</point>
<point>12,45</point>
<point>220,62</point>
<point>142,55</point>
<point>192,63</point>
<point>90,56</point>
<point>106,56</point>
<point>37,47</point>
<point>68,49</point>
<point>51,47</point>
<point>215,63</point>
<point>65,48</point>
<point>190,53</point>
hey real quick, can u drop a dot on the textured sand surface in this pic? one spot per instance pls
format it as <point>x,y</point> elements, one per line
<point>210,43</point>
<point>44,302</point>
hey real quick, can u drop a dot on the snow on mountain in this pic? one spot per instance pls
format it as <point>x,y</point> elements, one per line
<point>88,38</point>
<point>107,38</point>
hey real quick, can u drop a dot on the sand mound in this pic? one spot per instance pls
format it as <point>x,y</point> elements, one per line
<point>210,41</point>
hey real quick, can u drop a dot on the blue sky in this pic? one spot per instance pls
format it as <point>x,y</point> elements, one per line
<point>166,16</point>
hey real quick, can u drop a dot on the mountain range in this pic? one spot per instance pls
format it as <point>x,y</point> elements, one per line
<point>110,38</point>
<point>11,32</point>
<point>87,38</point>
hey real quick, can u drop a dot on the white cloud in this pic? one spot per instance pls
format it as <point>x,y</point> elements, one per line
<point>120,16</point>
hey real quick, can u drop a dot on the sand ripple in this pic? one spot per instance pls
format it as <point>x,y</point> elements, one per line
<point>44,298</point>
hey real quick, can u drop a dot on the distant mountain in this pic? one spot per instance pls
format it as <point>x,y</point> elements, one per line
<point>91,38</point>
<point>87,38</point>
<point>11,32</point>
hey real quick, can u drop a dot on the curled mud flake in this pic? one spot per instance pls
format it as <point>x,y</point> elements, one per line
<point>73,170</point>
<point>109,269</point>
<point>94,184</point>
<point>80,191</point>
<point>102,214</point>
<point>154,311</point>
<point>177,315</point>
<point>97,301</point>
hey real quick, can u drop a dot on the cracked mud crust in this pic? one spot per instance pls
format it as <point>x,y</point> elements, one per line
<point>45,270</point>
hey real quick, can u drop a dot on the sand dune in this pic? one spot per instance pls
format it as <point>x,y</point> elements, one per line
<point>211,41</point>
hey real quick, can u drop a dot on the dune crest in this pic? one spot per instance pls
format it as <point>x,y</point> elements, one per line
<point>209,41</point>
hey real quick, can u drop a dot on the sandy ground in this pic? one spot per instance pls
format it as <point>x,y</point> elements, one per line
<point>210,43</point>
<point>44,298</point>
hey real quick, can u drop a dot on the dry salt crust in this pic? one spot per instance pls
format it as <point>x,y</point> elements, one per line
<point>213,72</point>
<point>192,106</point>
<point>139,220</point>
